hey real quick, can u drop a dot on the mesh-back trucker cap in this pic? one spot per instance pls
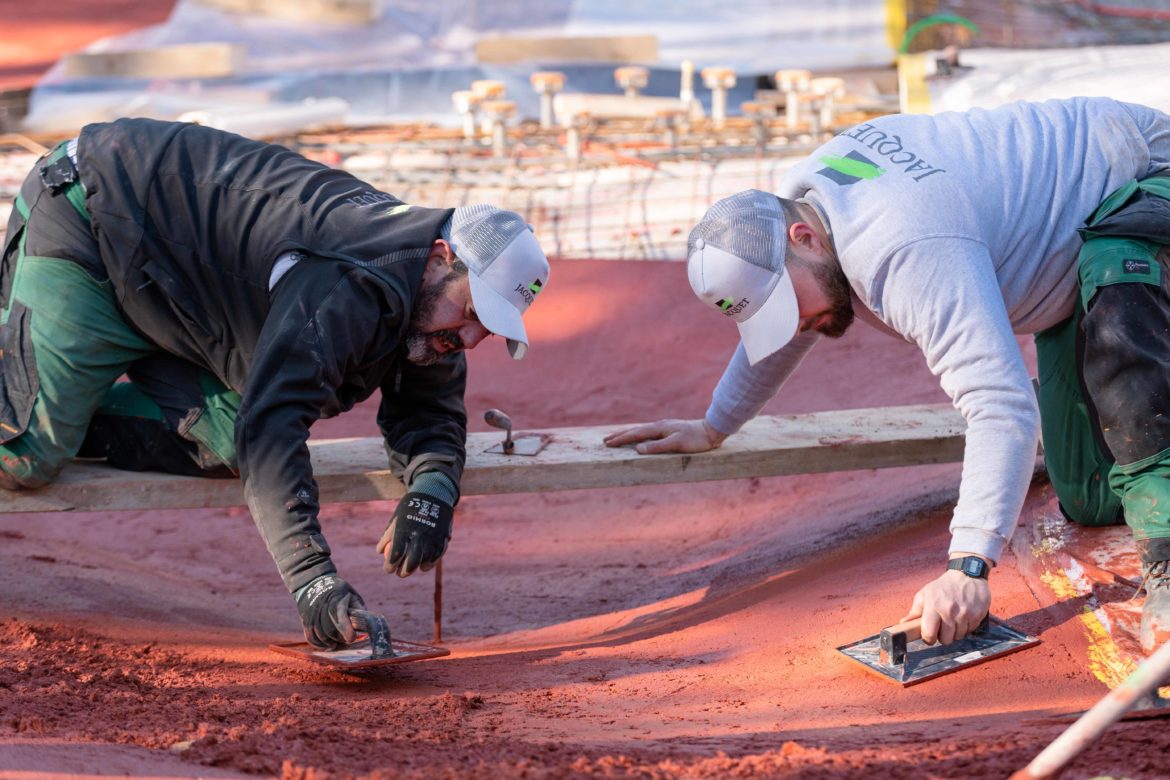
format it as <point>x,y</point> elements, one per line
<point>735,262</point>
<point>507,268</point>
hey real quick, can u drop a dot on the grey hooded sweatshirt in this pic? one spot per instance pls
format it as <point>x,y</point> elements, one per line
<point>957,231</point>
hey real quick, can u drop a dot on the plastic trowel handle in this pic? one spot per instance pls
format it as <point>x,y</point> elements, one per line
<point>376,627</point>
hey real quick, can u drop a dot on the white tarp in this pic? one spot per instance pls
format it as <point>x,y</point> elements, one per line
<point>1135,74</point>
<point>752,36</point>
<point>407,63</point>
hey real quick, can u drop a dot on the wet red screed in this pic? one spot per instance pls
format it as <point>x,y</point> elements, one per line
<point>678,631</point>
<point>683,631</point>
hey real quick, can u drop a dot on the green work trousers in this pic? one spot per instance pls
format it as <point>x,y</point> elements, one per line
<point>1078,464</point>
<point>66,344</point>
<point>1105,384</point>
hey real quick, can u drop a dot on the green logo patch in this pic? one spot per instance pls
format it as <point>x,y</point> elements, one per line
<point>852,167</point>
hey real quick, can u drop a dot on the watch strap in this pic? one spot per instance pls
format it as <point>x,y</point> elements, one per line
<point>971,565</point>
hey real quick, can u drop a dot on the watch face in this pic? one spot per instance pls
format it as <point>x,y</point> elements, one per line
<point>973,567</point>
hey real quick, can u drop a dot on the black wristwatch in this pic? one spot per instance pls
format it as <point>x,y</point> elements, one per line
<point>971,565</point>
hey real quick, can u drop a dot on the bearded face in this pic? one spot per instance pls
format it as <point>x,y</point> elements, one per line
<point>425,347</point>
<point>840,302</point>
<point>837,318</point>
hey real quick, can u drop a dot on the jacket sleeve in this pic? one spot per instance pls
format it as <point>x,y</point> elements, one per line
<point>424,420</point>
<point>325,321</point>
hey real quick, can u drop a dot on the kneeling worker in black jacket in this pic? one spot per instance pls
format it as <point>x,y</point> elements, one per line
<point>246,292</point>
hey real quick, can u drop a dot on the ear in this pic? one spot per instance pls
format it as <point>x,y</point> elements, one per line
<point>803,235</point>
<point>440,255</point>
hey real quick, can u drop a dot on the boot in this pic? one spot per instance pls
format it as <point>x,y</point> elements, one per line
<point>1155,628</point>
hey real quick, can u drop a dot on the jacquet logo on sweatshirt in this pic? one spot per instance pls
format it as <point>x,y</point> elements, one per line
<point>892,147</point>
<point>849,169</point>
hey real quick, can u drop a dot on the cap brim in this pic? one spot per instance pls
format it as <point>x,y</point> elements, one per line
<point>499,316</point>
<point>773,325</point>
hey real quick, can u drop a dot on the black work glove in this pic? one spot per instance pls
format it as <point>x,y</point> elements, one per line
<point>417,535</point>
<point>325,605</point>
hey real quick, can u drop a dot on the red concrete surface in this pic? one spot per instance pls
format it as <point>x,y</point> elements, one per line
<point>671,632</point>
<point>684,631</point>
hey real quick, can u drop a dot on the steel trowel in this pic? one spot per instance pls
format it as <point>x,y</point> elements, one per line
<point>899,654</point>
<point>376,648</point>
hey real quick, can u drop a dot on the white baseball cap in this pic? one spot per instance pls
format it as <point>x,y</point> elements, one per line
<point>735,262</point>
<point>507,268</point>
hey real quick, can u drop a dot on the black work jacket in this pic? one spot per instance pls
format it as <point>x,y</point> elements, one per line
<point>189,223</point>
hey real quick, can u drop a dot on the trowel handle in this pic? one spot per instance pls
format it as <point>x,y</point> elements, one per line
<point>497,419</point>
<point>893,640</point>
<point>911,628</point>
<point>376,627</point>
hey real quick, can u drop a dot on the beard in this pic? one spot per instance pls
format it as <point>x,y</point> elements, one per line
<point>420,351</point>
<point>419,348</point>
<point>836,288</point>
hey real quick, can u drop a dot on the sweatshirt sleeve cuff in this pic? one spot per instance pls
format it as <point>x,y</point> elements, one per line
<point>977,542</point>
<point>722,422</point>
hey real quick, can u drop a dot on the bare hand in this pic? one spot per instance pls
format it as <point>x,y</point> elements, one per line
<point>668,436</point>
<point>951,607</point>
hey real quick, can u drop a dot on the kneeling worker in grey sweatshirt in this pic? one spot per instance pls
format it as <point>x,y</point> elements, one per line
<point>956,232</point>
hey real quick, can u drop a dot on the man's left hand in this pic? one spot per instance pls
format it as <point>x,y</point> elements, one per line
<point>951,607</point>
<point>417,535</point>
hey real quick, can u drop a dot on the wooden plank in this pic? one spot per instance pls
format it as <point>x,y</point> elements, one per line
<point>189,60</point>
<point>507,49</point>
<point>360,12</point>
<point>575,458</point>
<point>330,11</point>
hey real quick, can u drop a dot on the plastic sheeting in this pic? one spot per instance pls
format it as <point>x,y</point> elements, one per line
<point>407,63</point>
<point>1135,74</point>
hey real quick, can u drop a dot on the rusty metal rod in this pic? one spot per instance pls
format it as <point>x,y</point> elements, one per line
<point>438,602</point>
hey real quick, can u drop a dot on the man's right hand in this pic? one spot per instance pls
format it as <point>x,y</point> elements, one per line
<point>951,607</point>
<point>325,604</point>
<point>668,436</point>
